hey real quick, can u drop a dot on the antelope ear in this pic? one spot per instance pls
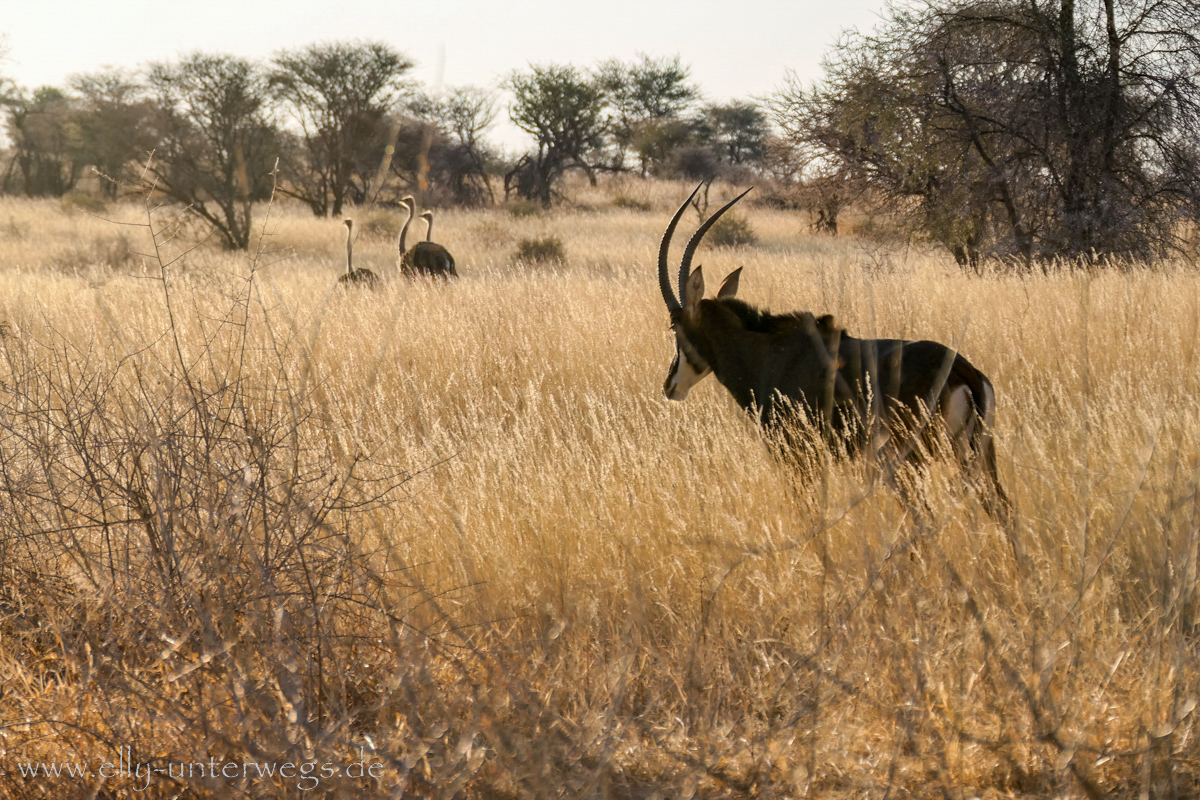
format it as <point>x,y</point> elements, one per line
<point>729,286</point>
<point>695,291</point>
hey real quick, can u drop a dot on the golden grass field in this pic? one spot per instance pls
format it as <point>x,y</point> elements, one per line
<point>459,525</point>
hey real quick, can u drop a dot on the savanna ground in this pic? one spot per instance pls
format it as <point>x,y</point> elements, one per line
<point>250,517</point>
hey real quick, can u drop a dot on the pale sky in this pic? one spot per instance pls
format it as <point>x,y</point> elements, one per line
<point>735,49</point>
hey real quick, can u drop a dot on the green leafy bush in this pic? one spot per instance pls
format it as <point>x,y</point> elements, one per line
<point>732,231</point>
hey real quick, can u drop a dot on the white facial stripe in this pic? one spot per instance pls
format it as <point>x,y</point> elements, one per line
<point>682,377</point>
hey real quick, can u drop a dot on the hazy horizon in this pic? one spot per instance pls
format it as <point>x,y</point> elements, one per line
<point>454,43</point>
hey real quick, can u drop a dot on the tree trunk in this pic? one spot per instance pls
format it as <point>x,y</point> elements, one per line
<point>1113,110</point>
<point>1077,202</point>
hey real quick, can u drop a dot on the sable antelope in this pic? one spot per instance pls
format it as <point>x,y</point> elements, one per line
<point>356,277</point>
<point>864,393</point>
<point>427,257</point>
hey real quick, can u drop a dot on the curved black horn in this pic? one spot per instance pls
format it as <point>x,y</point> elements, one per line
<point>685,266</point>
<point>664,281</point>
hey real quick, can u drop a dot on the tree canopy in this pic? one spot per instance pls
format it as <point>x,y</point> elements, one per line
<point>562,107</point>
<point>340,95</point>
<point>1030,130</point>
<point>216,141</point>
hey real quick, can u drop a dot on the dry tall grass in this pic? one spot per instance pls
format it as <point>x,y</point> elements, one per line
<point>458,525</point>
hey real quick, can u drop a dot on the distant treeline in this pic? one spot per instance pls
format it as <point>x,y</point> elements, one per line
<point>341,124</point>
<point>1000,129</point>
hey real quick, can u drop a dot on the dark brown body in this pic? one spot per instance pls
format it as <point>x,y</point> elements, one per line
<point>424,259</point>
<point>356,278</point>
<point>428,259</point>
<point>360,277</point>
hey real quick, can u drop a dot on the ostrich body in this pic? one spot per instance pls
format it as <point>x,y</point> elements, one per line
<point>356,277</point>
<point>424,258</point>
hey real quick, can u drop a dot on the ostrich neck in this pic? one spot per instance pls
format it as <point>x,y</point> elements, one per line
<point>349,252</point>
<point>404,229</point>
<point>429,229</point>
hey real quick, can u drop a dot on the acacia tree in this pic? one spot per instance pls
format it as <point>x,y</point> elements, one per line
<point>1034,129</point>
<point>737,131</point>
<point>114,124</point>
<point>43,128</point>
<point>8,94</point>
<point>464,113</point>
<point>647,102</point>
<point>7,87</point>
<point>216,144</point>
<point>339,95</point>
<point>563,108</point>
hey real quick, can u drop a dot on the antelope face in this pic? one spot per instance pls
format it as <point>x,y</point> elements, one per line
<point>687,369</point>
<point>689,366</point>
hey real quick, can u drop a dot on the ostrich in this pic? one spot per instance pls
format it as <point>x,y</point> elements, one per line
<point>427,257</point>
<point>410,204</point>
<point>356,277</point>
